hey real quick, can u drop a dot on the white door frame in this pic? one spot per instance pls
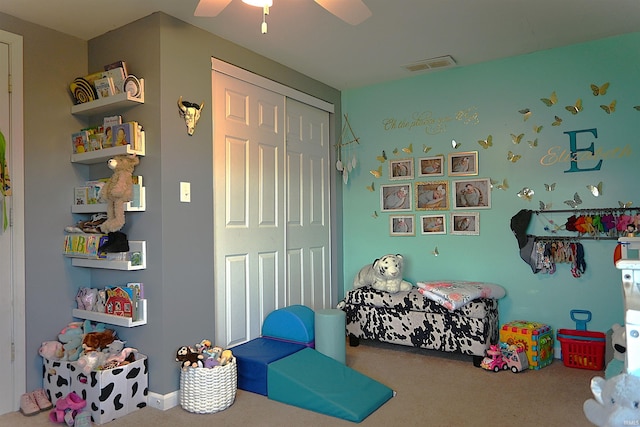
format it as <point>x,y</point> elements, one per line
<point>16,163</point>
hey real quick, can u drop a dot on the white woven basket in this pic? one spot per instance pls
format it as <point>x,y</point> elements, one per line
<point>208,390</point>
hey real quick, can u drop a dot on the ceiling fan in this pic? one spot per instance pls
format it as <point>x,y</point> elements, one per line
<point>352,12</point>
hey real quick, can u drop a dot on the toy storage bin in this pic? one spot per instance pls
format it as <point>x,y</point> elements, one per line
<point>582,349</point>
<point>208,390</point>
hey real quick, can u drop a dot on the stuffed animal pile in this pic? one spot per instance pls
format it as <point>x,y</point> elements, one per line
<point>202,355</point>
<point>384,274</point>
<point>92,347</point>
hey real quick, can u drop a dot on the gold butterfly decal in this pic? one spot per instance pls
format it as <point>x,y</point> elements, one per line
<point>395,151</point>
<point>375,214</point>
<point>486,143</point>
<point>513,157</point>
<point>550,187</point>
<point>544,207</point>
<point>408,149</point>
<point>609,108</point>
<point>516,138</point>
<point>557,121</point>
<point>574,202</point>
<point>371,187</point>
<point>625,205</point>
<point>382,158</point>
<point>526,113</point>
<point>637,107</point>
<point>533,143</point>
<point>575,108</point>
<point>600,90</point>
<point>526,193</point>
<point>596,190</point>
<point>551,100</point>
<point>435,252</point>
<point>426,149</point>
<point>537,129</point>
<point>376,172</point>
<point>455,144</point>
<point>503,186</point>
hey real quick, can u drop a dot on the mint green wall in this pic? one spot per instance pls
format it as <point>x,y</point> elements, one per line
<point>492,94</point>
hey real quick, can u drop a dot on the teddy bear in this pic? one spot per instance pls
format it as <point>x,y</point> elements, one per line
<point>384,274</point>
<point>615,401</point>
<point>118,190</point>
<point>189,358</point>
<point>619,345</point>
<point>98,340</point>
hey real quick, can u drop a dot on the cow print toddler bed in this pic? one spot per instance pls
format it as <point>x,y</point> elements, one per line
<point>409,318</point>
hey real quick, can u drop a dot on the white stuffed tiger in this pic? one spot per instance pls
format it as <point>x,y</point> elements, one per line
<point>385,274</point>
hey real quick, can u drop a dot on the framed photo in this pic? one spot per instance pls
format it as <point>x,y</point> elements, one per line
<point>465,223</point>
<point>433,224</point>
<point>463,164</point>
<point>400,169</point>
<point>432,195</point>
<point>402,225</point>
<point>472,193</point>
<point>431,166</point>
<point>395,197</point>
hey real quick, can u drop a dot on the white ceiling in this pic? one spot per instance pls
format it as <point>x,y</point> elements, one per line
<point>304,36</point>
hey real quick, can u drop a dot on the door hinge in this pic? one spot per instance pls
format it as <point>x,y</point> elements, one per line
<point>13,352</point>
<point>10,88</point>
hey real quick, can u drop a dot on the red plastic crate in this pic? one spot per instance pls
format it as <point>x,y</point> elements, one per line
<point>582,349</point>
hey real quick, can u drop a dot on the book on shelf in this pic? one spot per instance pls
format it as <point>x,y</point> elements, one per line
<point>80,141</point>
<point>136,200</point>
<point>122,301</point>
<point>84,245</point>
<point>81,195</point>
<point>138,289</point>
<point>129,133</point>
<point>108,123</point>
<point>96,141</point>
<point>117,77</point>
<point>94,187</point>
<point>117,64</point>
<point>105,87</point>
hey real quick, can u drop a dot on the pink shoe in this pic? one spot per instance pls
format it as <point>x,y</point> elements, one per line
<point>56,416</point>
<point>71,401</point>
<point>28,406</point>
<point>41,399</point>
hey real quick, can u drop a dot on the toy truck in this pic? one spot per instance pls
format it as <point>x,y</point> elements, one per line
<point>505,357</point>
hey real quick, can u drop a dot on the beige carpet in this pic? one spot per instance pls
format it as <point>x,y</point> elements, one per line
<point>433,389</point>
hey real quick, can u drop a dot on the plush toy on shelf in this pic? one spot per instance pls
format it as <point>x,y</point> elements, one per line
<point>118,190</point>
<point>384,274</point>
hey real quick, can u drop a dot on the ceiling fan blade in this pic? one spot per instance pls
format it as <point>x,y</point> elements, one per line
<point>210,8</point>
<point>352,12</point>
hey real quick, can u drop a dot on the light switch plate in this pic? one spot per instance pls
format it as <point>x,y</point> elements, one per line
<point>185,192</point>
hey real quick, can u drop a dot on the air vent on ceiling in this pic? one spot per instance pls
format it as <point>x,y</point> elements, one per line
<point>431,63</point>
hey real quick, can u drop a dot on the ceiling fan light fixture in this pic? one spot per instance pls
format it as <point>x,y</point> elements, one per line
<point>259,3</point>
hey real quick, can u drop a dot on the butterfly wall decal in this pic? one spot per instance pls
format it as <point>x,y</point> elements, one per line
<point>513,157</point>
<point>544,207</point>
<point>609,108</point>
<point>550,187</point>
<point>455,144</point>
<point>486,143</point>
<point>526,193</point>
<point>502,186</point>
<point>575,108</point>
<point>382,158</point>
<point>624,205</point>
<point>374,214</point>
<point>537,129</point>
<point>426,149</point>
<point>599,90</point>
<point>596,190</point>
<point>551,100</point>
<point>516,138</point>
<point>533,143</point>
<point>395,151</point>
<point>435,252</point>
<point>408,149</point>
<point>526,113</point>
<point>637,107</point>
<point>376,172</point>
<point>557,121</point>
<point>371,187</point>
<point>574,202</point>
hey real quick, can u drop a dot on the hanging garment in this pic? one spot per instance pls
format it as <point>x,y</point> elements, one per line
<point>5,181</point>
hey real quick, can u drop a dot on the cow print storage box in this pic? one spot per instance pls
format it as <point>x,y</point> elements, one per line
<point>110,394</point>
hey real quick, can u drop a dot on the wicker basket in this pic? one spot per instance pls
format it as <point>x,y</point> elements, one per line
<point>208,390</point>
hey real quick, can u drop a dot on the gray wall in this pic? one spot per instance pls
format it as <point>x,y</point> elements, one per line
<point>174,58</point>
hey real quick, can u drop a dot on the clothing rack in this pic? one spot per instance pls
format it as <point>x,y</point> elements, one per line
<point>570,238</point>
<point>588,210</point>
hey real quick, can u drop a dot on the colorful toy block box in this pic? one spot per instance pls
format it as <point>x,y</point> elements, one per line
<point>536,339</point>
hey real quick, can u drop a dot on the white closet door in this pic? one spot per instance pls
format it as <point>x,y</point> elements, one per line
<point>249,226</point>
<point>308,225</point>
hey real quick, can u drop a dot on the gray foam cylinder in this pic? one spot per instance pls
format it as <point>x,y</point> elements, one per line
<point>330,331</point>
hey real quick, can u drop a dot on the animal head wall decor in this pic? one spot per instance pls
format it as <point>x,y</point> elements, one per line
<point>191,114</point>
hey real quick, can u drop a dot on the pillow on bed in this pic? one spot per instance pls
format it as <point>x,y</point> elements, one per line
<point>453,294</point>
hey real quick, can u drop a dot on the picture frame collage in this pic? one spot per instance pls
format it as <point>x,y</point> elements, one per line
<point>431,193</point>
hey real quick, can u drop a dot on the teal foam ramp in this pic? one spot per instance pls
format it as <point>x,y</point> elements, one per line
<point>308,379</point>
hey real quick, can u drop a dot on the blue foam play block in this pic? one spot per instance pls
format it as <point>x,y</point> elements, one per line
<point>254,356</point>
<point>308,379</point>
<point>294,323</point>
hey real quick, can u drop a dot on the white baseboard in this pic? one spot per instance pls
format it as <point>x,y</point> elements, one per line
<point>163,401</point>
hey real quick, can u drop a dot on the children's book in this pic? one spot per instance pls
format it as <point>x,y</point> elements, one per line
<point>80,141</point>
<point>105,87</point>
